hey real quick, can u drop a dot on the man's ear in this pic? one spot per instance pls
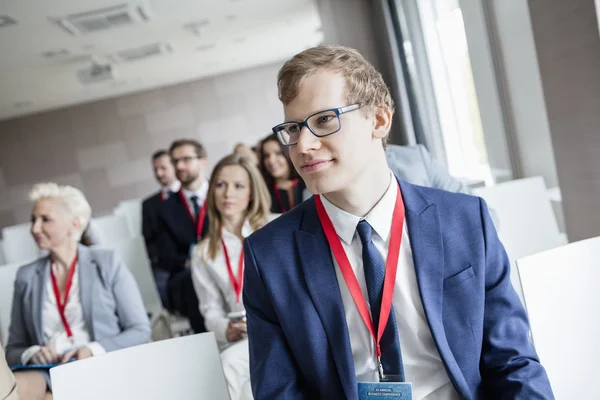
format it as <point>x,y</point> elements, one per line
<point>382,122</point>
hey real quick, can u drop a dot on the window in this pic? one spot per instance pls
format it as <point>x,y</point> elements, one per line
<point>437,54</point>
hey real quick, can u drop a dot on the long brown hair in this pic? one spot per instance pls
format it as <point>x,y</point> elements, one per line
<point>266,175</point>
<point>258,207</point>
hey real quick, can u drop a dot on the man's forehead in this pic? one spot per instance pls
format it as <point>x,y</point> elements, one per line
<point>316,94</point>
<point>185,149</point>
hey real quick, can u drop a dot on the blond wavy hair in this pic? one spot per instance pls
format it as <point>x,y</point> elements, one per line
<point>71,198</point>
<point>364,84</point>
<point>258,208</point>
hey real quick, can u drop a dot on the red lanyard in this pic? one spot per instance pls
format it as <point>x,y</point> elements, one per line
<point>235,284</point>
<point>62,305</point>
<point>278,196</point>
<point>391,265</point>
<point>200,220</point>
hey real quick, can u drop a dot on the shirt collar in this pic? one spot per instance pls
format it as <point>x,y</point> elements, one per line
<point>246,231</point>
<point>201,192</point>
<point>172,188</point>
<point>380,216</point>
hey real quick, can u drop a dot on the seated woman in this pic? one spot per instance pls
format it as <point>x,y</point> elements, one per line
<point>75,303</point>
<point>284,183</point>
<point>238,204</point>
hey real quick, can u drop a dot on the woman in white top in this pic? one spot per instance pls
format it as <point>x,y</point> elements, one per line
<point>238,204</point>
<point>76,302</point>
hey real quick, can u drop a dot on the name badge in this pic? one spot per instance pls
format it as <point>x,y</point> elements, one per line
<point>384,390</point>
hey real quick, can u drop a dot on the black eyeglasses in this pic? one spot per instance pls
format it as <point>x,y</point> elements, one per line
<point>322,123</point>
<point>186,160</point>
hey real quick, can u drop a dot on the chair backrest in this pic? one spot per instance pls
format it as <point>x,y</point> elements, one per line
<point>524,219</point>
<point>18,244</point>
<point>2,259</point>
<point>561,289</point>
<point>133,253</point>
<point>7,284</point>
<point>183,368</point>
<point>112,228</point>
<point>132,211</point>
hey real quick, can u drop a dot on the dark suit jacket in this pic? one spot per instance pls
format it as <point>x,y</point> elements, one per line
<point>298,335</point>
<point>176,233</point>
<point>276,207</point>
<point>150,213</point>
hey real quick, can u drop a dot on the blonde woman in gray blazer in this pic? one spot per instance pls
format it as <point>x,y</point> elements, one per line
<point>75,303</point>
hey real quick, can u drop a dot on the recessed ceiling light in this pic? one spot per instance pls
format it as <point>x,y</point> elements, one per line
<point>22,104</point>
<point>5,20</point>
<point>196,27</point>
<point>206,47</point>
<point>55,53</point>
<point>231,17</point>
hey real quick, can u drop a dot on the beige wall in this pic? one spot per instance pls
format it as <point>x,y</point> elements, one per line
<point>568,49</point>
<point>104,147</point>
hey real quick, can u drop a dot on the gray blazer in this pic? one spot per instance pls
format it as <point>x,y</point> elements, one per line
<point>112,305</point>
<point>415,165</point>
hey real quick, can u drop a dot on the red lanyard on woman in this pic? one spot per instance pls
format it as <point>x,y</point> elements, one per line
<point>236,284</point>
<point>62,305</point>
<point>199,222</point>
<point>391,266</point>
<point>278,196</point>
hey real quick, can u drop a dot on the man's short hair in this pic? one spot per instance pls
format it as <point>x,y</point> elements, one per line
<point>200,152</point>
<point>364,84</point>
<point>159,153</point>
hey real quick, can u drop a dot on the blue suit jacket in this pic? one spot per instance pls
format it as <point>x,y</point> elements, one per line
<point>299,342</point>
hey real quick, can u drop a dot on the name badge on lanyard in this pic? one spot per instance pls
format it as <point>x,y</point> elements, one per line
<point>389,386</point>
<point>62,305</point>
<point>236,284</point>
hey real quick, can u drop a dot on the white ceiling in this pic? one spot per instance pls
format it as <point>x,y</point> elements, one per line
<point>240,34</point>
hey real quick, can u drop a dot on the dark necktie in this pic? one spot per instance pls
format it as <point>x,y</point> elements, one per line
<point>374,266</point>
<point>194,199</point>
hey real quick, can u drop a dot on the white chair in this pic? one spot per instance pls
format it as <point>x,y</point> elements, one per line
<point>183,368</point>
<point>7,284</point>
<point>132,211</point>
<point>112,229</point>
<point>524,218</point>
<point>18,244</point>
<point>2,259</point>
<point>133,253</point>
<point>561,288</point>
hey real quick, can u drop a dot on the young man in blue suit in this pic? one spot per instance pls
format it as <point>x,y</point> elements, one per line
<point>325,313</point>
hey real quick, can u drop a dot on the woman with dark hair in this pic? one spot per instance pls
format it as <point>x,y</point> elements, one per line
<point>284,183</point>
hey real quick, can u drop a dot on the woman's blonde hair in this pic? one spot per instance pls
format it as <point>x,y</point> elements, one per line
<point>258,207</point>
<point>71,198</point>
<point>364,84</point>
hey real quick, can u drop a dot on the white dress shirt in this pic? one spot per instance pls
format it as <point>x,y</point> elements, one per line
<point>423,366</point>
<point>201,193</point>
<point>53,328</point>
<point>166,191</point>
<point>216,296</point>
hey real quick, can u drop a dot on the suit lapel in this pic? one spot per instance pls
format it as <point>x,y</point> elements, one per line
<point>87,277</point>
<point>181,220</point>
<point>319,273</point>
<point>38,292</point>
<point>425,234</point>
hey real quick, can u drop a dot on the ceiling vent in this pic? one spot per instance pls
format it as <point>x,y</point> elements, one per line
<point>104,19</point>
<point>5,21</point>
<point>96,73</point>
<point>142,52</point>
